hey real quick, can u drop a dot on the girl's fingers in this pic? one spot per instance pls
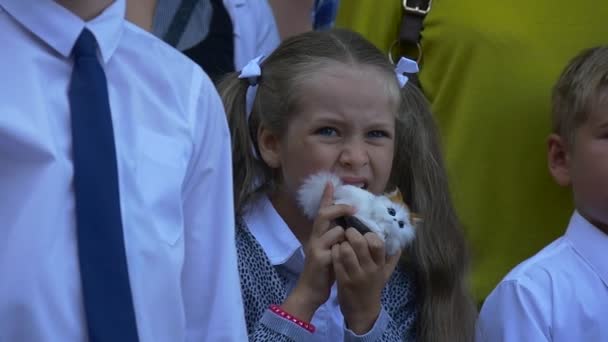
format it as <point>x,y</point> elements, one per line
<point>332,237</point>
<point>327,214</point>
<point>334,211</point>
<point>328,211</point>
<point>348,260</point>
<point>360,247</point>
<point>339,271</point>
<point>376,248</point>
<point>328,195</point>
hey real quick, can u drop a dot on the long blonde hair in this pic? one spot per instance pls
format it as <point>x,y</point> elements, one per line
<point>438,258</point>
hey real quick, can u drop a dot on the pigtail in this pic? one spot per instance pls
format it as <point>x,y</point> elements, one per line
<point>246,165</point>
<point>438,256</point>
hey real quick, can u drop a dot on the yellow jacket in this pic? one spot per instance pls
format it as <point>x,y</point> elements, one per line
<point>488,69</point>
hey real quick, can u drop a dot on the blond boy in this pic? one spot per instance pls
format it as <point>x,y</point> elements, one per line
<point>561,293</point>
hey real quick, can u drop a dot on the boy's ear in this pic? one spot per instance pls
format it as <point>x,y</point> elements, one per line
<point>269,146</point>
<point>559,159</point>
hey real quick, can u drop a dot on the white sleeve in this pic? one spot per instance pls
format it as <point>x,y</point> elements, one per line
<point>255,29</point>
<point>213,304</point>
<point>515,312</point>
<point>268,33</point>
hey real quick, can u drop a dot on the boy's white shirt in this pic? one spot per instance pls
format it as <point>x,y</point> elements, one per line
<point>175,179</point>
<point>560,294</point>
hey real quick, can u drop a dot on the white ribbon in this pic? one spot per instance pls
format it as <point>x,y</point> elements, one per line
<point>251,71</point>
<point>405,65</point>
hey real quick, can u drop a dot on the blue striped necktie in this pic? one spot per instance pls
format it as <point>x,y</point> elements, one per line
<point>103,266</point>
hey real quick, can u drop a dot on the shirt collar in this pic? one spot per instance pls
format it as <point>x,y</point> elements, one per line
<point>590,243</point>
<point>273,234</point>
<point>59,28</point>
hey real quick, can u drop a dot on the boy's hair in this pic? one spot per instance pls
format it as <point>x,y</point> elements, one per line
<point>438,258</point>
<point>580,88</point>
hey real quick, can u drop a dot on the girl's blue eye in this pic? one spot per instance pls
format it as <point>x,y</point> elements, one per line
<point>377,134</point>
<point>327,131</point>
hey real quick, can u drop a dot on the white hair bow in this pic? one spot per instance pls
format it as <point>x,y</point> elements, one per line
<point>405,65</point>
<point>251,71</point>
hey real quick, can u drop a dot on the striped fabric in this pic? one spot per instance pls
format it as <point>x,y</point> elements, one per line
<point>324,14</point>
<point>198,24</point>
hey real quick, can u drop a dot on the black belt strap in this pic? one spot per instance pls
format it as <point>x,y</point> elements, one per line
<point>414,12</point>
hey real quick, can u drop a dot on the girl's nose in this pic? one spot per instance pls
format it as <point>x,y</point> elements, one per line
<point>354,155</point>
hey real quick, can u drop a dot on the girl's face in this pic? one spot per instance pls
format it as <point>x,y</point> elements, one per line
<point>345,124</point>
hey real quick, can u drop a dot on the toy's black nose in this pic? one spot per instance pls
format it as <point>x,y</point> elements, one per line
<point>401,224</point>
<point>392,212</point>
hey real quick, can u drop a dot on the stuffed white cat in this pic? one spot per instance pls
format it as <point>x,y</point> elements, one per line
<point>390,220</point>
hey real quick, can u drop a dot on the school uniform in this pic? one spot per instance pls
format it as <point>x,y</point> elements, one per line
<point>270,261</point>
<point>172,155</point>
<point>220,35</point>
<point>560,294</point>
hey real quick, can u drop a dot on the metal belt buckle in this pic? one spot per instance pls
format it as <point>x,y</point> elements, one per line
<point>416,9</point>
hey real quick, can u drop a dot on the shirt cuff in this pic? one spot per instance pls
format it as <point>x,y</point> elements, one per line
<point>373,334</point>
<point>284,326</point>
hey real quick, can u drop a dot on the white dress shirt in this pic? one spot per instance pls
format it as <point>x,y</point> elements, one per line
<point>560,294</point>
<point>174,171</point>
<point>255,30</point>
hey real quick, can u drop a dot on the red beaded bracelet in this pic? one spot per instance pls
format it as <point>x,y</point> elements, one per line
<point>277,310</point>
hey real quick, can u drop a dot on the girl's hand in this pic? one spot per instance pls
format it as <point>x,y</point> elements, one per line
<point>362,270</point>
<point>314,285</point>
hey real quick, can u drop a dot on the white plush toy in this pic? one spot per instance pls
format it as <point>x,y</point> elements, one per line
<point>390,220</point>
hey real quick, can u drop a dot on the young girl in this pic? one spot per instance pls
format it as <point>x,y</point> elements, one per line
<point>331,101</point>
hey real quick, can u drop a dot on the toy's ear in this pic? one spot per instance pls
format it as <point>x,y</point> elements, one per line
<point>416,219</point>
<point>395,196</point>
